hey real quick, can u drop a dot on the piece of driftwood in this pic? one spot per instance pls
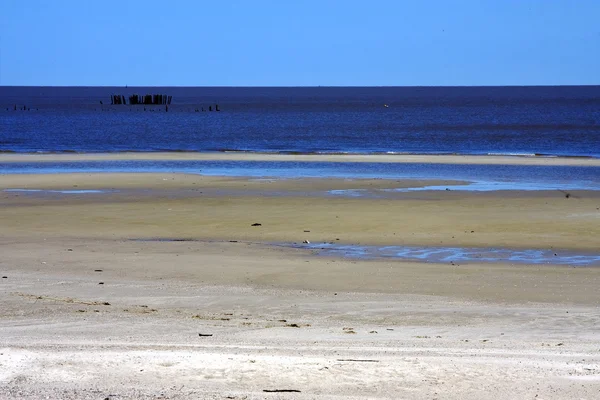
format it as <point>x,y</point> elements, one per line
<point>281,391</point>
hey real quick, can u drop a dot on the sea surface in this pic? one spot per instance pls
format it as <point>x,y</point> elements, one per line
<point>554,121</point>
<point>472,177</point>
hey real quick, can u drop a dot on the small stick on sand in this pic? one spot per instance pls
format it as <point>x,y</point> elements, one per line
<point>281,391</point>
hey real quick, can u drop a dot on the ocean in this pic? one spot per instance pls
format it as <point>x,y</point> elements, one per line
<point>551,121</point>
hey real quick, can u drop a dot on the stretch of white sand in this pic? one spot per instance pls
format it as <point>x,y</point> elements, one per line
<point>372,158</point>
<point>62,335</point>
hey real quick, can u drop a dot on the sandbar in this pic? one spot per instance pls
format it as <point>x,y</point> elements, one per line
<point>369,158</point>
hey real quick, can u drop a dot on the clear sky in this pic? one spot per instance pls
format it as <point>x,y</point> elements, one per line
<point>299,43</point>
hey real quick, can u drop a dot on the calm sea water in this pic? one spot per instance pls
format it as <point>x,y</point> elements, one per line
<point>480,120</point>
<point>479,177</point>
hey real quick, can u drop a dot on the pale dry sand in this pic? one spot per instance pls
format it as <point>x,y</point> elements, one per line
<point>284,318</point>
<point>241,156</point>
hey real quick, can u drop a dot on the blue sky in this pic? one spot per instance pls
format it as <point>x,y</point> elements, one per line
<point>299,43</point>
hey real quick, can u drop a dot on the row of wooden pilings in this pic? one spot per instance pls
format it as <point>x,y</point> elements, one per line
<point>147,99</point>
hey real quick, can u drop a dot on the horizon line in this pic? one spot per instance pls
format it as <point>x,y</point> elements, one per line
<point>302,86</point>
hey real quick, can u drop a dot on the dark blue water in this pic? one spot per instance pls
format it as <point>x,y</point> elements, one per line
<point>479,120</point>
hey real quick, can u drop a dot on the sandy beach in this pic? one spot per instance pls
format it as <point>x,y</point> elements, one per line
<point>94,306</point>
<point>530,159</point>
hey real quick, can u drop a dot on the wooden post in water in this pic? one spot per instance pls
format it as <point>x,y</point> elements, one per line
<point>146,99</point>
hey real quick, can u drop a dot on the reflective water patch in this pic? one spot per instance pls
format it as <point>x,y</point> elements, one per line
<point>80,191</point>
<point>457,254</point>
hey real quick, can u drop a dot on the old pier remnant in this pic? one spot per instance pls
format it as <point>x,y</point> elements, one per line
<point>147,99</point>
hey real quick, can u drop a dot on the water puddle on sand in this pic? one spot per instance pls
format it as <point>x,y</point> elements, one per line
<point>478,186</point>
<point>491,186</point>
<point>42,191</point>
<point>430,254</point>
<point>456,254</point>
<point>469,187</point>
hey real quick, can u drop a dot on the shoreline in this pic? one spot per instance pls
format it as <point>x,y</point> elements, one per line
<point>278,157</point>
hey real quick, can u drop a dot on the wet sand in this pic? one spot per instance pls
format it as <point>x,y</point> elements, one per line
<point>207,208</point>
<point>89,313</point>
